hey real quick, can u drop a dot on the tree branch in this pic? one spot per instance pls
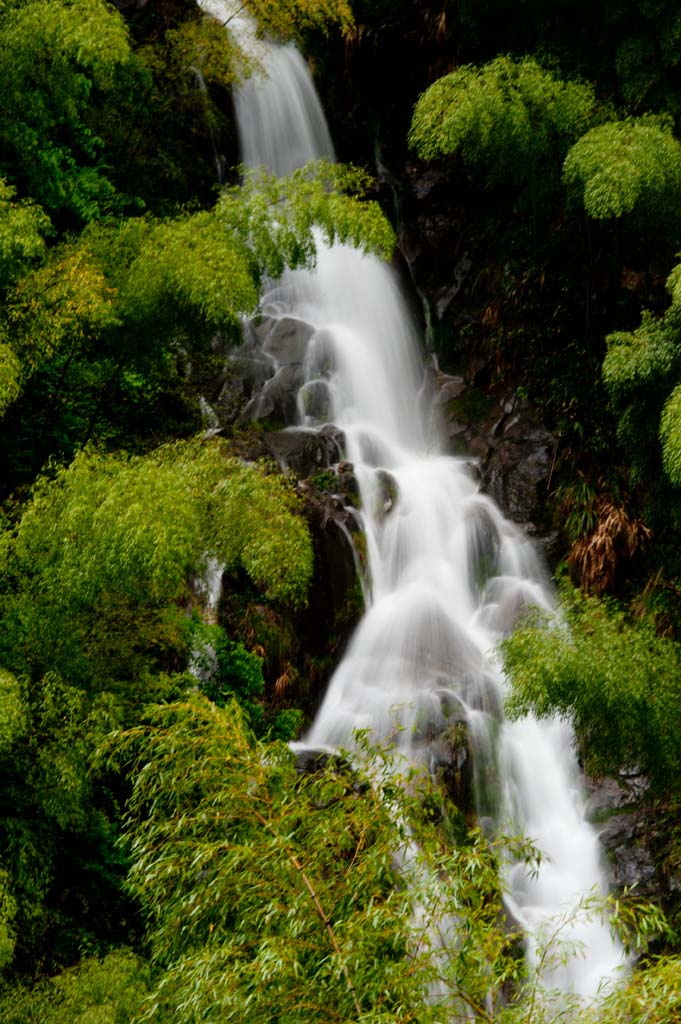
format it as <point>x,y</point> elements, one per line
<point>322,914</point>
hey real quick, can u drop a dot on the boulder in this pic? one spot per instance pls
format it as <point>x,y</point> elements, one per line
<point>277,399</point>
<point>334,527</point>
<point>315,400</point>
<point>285,340</point>
<point>305,451</point>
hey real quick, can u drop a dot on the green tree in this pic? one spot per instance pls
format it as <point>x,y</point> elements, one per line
<point>289,19</point>
<point>99,566</point>
<point>348,894</point>
<point>627,168</point>
<point>56,56</point>
<point>109,990</point>
<point>23,227</point>
<point>617,681</point>
<point>269,894</point>
<point>641,371</point>
<point>505,119</point>
<point>96,595</point>
<point>63,305</point>
<point>61,881</point>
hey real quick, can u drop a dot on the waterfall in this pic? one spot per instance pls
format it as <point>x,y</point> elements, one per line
<point>449,574</point>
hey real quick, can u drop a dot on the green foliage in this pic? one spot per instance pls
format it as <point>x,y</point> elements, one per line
<point>70,727</point>
<point>23,226</point>
<point>12,713</point>
<point>652,995</point>
<point>578,504</point>
<point>275,216</point>
<point>627,167</point>
<point>106,991</point>
<point>10,376</point>
<point>286,19</point>
<point>61,886</point>
<point>647,59</point>
<point>54,56</point>
<point>103,554</point>
<point>641,370</point>
<point>618,682</point>
<point>640,359</point>
<point>670,435</point>
<point>64,304</point>
<point>227,671</point>
<point>504,118</point>
<point>266,891</point>
<point>205,268</point>
<point>8,910</point>
<point>202,45</point>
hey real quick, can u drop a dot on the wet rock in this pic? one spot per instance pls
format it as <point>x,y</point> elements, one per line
<point>315,400</point>
<point>278,398</point>
<point>315,760</point>
<point>348,485</point>
<point>334,528</point>
<point>305,451</point>
<point>234,395</point>
<point>624,840</point>
<point>321,353</point>
<point>448,387</point>
<point>285,340</point>
<point>514,452</point>
<point>517,469</point>
<point>251,366</point>
<point>618,810</point>
<point>387,494</point>
<point>450,760</point>
<point>310,760</point>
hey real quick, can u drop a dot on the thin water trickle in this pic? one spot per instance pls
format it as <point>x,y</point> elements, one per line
<point>449,574</point>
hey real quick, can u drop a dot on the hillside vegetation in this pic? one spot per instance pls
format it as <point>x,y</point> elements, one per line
<point>161,859</point>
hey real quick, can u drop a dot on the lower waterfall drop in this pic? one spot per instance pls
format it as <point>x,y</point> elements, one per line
<point>450,576</point>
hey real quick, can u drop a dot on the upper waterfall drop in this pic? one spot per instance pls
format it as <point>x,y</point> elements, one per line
<point>281,121</point>
<point>282,125</point>
<point>450,576</point>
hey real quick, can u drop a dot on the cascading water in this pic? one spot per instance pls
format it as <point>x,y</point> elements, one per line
<point>449,574</point>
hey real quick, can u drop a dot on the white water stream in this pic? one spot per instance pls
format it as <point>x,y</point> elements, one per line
<point>449,574</point>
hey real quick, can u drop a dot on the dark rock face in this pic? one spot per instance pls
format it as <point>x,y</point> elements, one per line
<point>621,813</point>
<point>335,527</point>
<point>450,760</point>
<point>261,378</point>
<point>512,452</point>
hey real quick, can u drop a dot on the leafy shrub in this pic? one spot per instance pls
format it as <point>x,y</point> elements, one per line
<point>617,681</point>
<point>103,553</point>
<point>503,118</point>
<point>627,167</point>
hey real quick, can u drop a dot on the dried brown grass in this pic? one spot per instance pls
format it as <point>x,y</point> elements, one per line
<point>595,559</point>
